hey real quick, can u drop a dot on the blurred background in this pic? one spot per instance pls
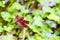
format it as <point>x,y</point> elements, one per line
<point>42,18</point>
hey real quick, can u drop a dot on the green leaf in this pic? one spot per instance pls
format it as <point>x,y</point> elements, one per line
<point>8,37</point>
<point>38,21</point>
<point>29,18</point>
<point>54,17</point>
<point>35,37</point>
<point>42,1</point>
<point>46,9</point>
<point>57,1</point>
<point>24,11</point>
<point>58,12</point>
<point>37,13</point>
<point>9,28</point>
<point>46,28</point>
<point>1,29</point>
<point>45,15</point>
<point>15,6</point>
<point>54,38</point>
<point>6,16</point>
<point>2,3</point>
<point>34,28</point>
<point>30,38</point>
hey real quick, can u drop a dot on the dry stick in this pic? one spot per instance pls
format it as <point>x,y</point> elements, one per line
<point>23,33</point>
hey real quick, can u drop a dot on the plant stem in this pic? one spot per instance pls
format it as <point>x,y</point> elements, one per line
<point>23,34</point>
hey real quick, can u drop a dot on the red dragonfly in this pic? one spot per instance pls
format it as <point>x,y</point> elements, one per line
<point>21,21</point>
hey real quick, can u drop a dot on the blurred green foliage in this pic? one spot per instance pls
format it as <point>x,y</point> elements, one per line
<point>43,17</point>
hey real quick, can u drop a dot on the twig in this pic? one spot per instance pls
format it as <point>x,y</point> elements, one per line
<point>23,33</point>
